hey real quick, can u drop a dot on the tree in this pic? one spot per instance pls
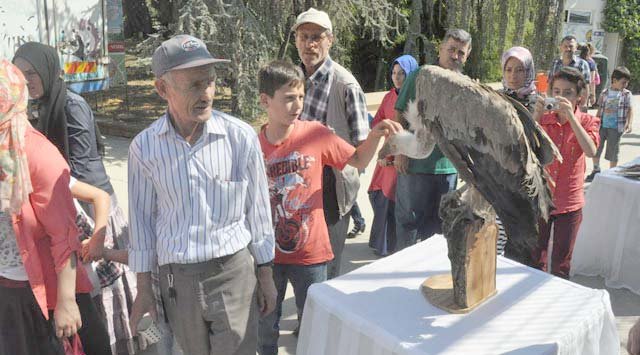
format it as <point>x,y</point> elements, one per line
<point>136,18</point>
<point>623,16</point>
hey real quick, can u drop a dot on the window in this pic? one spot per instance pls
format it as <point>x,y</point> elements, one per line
<point>578,16</point>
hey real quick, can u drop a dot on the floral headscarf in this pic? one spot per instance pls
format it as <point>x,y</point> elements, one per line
<point>524,56</point>
<point>15,182</point>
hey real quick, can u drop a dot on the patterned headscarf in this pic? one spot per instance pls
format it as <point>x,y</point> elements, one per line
<point>524,56</point>
<point>15,182</point>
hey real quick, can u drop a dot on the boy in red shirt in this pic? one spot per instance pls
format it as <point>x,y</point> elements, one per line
<point>295,152</point>
<point>576,135</point>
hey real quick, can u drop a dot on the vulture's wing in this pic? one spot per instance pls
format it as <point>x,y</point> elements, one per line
<point>493,145</point>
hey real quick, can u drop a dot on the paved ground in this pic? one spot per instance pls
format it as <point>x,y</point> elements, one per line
<point>626,305</point>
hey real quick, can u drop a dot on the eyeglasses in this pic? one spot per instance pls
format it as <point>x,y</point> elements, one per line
<point>314,38</point>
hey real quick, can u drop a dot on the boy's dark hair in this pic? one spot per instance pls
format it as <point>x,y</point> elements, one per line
<point>278,73</point>
<point>571,75</point>
<point>621,73</point>
<point>569,38</point>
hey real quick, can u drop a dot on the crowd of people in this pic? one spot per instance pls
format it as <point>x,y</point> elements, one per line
<point>222,218</point>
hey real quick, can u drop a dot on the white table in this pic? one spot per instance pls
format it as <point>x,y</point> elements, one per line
<point>608,242</point>
<point>379,310</point>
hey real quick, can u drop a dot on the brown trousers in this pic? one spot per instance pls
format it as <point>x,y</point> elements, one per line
<point>214,310</point>
<point>565,230</point>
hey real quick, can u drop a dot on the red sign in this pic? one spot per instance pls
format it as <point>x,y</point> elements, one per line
<point>116,47</point>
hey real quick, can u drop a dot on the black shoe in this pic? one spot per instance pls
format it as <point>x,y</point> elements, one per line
<point>591,176</point>
<point>357,229</point>
<point>296,331</point>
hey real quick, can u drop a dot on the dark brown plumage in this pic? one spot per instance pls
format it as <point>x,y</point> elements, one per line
<point>492,140</point>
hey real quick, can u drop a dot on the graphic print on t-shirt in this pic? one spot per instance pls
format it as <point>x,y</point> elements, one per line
<point>291,215</point>
<point>610,110</point>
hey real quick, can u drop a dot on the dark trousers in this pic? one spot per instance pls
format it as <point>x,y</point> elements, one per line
<point>23,328</point>
<point>336,225</point>
<point>417,206</point>
<point>565,230</point>
<point>356,215</point>
<point>93,333</point>
<point>301,277</point>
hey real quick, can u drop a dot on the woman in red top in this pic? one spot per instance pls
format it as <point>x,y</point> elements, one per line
<point>38,236</point>
<point>383,183</point>
<point>576,136</point>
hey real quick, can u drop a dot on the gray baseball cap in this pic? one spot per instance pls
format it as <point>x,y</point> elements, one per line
<point>181,52</point>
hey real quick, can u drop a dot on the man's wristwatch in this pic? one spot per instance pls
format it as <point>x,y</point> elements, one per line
<point>267,264</point>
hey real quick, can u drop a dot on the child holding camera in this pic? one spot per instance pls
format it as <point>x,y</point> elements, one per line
<point>576,135</point>
<point>616,113</point>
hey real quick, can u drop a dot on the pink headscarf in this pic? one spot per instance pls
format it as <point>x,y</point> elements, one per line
<point>15,182</point>
<point>524,56</point>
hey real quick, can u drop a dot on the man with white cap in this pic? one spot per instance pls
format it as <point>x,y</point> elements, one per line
<point>334,98</point>
<point>199,209</point>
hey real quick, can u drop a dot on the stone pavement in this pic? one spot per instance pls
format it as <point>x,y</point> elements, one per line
<point>626,305</point>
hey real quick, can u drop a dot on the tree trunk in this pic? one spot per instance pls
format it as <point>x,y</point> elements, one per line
<point>521,19</point>
<point>382,71</point>
<point>540,34</point>
<point>465,15</point>
<point>556,30</point>
<point>415,28</point>
<point>452,14</point>
<point>504,23</point>
<point>136,18</point>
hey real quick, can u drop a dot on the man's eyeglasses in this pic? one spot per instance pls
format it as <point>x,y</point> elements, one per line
<point>314,38</point>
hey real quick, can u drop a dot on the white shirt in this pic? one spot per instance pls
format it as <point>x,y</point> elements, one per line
<point>189,204</point>
<point>11,266</point>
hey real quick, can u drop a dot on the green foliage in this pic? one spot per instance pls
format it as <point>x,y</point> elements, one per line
<point>623,16</point>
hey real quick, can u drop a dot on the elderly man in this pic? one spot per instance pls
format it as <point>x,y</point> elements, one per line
<point>568,47</point>
<point>199,208</point>
<point>334,98</point>
<point>422,182</point>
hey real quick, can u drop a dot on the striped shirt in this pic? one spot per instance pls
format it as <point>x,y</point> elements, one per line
<point>189,204</point>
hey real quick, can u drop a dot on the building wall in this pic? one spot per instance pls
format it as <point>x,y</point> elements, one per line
<point>609,44</point>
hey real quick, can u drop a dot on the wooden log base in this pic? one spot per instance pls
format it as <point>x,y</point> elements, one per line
<point>438,290</point>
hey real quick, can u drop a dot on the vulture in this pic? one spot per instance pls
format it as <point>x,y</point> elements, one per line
<point>491,139</point>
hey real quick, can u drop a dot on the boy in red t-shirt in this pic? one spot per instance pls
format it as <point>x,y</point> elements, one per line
<point>576,136</point>
<point>295,152</point>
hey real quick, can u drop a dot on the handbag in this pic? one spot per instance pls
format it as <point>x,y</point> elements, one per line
<point>73,347</point>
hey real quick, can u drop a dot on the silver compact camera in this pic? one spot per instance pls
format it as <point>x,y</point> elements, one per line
<point>550,103</point>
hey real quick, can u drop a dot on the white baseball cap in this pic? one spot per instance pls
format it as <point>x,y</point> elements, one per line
<point>314,16</point>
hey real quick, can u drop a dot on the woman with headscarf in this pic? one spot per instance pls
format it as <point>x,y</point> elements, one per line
<point>383,183</point>
<point>66,119</point>
<point>518,74</point>
<point>38,235</point>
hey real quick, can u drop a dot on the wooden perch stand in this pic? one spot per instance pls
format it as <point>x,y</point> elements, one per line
<point>471,232</point>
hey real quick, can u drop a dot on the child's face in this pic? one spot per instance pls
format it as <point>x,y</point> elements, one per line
<point>286,104</point>
<point>566,89</point>
<point>619,84</point>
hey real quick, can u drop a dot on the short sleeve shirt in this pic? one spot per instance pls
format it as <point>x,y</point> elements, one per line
<point>294,171</point>
<point>436,163</point>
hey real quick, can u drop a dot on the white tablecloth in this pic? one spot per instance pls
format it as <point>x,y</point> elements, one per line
<point>608,242</point>
<point>379,310</point>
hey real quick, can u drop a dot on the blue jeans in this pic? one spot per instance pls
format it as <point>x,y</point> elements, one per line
<point>417,203</point>
<point>301,277</point>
